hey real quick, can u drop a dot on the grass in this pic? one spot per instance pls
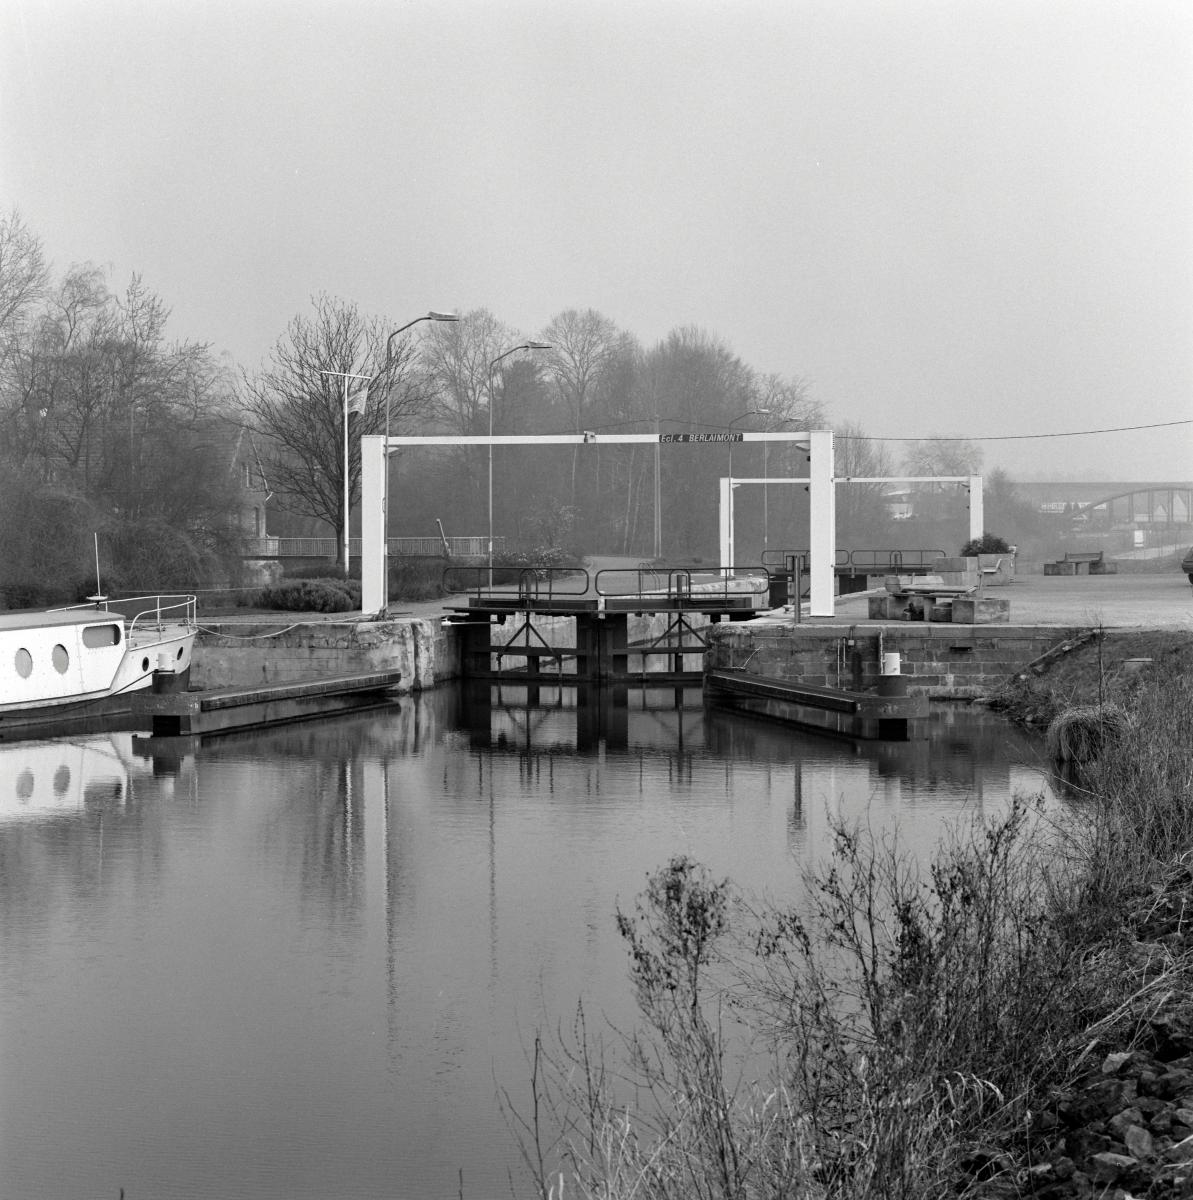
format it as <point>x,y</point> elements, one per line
<point>894,1035</point>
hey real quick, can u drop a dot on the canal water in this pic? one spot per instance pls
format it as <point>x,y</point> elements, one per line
<point>306,961</point>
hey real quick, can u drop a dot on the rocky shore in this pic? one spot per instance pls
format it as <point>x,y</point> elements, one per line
<point>1121,1125</point>
<point>1121,1128</point>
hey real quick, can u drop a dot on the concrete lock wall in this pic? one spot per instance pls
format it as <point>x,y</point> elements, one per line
<point>234,656</point>
<point>944,662</point>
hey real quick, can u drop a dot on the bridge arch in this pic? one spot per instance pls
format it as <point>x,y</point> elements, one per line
<point>1156,504</point>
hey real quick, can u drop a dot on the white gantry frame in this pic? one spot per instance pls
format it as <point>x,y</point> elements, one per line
<point>972,483</point>
<point>818,443</point>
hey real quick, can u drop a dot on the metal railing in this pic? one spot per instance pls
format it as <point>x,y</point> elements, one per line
<point>782,560</point>
<point>880,561</point>
<point>528,582</point>
<point>397,547</point>
<point>141,613</point>
<point>682,584</point>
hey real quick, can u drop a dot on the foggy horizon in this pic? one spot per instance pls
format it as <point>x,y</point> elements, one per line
<point>968,221</point>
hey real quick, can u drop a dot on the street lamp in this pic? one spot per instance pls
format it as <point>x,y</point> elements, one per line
<point>389,343</point>
<point>753,412</point>
<point>505,354</point>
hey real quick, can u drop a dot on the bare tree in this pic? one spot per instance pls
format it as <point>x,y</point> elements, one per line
<point>944,456</point>
<point>296,403</point>
<point>456,358</point>
<point>862,519</point>
<point>585,346</point>
<point>24,276</point>
<point>103,415</point>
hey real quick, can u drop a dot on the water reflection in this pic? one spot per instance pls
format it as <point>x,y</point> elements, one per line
<point>298,962</point>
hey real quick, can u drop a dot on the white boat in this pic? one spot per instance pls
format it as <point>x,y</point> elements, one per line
<point>89,659</point>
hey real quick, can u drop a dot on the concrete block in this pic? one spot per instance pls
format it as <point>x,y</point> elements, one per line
<point>886,607</point>
<point>981,610</point>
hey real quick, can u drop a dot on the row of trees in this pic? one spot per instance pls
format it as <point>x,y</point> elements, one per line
<point>110,427</point>
<point>106,428</point>
<point>459,377</point>
<point>588,374</point>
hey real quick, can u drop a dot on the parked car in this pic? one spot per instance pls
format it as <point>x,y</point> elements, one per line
<point>1187,563</point>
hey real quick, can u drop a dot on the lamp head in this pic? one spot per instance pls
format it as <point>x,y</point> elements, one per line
<point>442,316</point>
<point>539,346</point>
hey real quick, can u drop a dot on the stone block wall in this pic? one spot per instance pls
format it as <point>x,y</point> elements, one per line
<point>941,661</point>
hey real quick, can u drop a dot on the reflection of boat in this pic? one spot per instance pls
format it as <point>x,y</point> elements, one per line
<point>60,778</point>
<point>77,662</point>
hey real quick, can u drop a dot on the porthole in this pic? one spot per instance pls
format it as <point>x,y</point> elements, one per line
<point>23,661</point>
<point>25,785</point>
<point>145,664</point>
<point>179,655</point>
<point>62,780</point>
<point>60,659</point>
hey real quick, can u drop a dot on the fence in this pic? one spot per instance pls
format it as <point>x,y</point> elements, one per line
<point>426,547</point>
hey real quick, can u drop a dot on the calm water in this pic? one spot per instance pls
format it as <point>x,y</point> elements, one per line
<point>301,962</point>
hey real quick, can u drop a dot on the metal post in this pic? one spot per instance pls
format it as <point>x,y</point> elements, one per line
<point>504,354</point>
<point>658,492</point>
<point>346,375</point>
<point>347,494</point>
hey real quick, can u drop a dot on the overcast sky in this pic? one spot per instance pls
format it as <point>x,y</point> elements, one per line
<point>971,217</point>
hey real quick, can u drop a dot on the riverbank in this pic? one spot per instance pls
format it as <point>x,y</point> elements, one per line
<point>1097,666</point>
<point>1014,1021</point>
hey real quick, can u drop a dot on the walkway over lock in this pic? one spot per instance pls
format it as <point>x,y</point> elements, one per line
<point>601,606</point>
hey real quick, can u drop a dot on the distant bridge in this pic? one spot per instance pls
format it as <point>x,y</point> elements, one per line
<point>1156,504</point>
<point>1122,501</point>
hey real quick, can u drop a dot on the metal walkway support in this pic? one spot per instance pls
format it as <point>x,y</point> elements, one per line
<point>600,651</point>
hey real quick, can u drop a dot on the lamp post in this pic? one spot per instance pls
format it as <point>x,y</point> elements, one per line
<point>753,412</point>
<point>346,375</point>
<point>504,354</point>
<point>389,343</point>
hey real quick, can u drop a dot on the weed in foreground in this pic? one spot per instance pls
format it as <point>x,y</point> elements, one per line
<point>893,1035</point>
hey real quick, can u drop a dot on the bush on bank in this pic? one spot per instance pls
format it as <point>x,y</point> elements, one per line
<point>911,1032</point>
<point>308,595</point>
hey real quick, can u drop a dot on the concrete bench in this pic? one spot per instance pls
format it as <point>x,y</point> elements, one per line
<point>1082,562</point>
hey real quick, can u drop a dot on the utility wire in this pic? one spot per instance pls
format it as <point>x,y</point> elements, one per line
<point>1011,437</point>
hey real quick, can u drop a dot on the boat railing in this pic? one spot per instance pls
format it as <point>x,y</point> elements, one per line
<point>143,614</point>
